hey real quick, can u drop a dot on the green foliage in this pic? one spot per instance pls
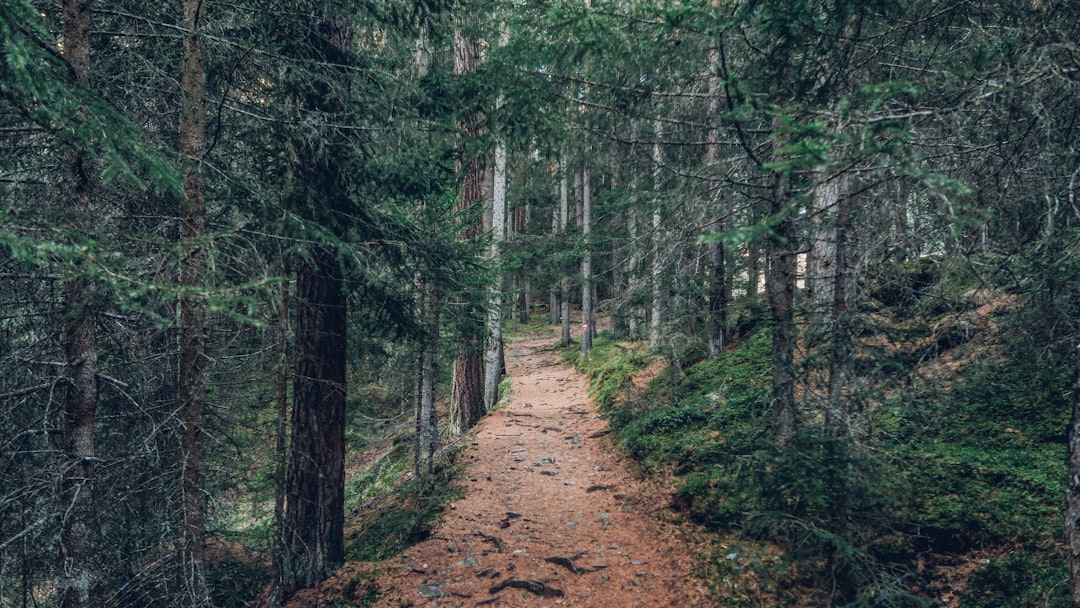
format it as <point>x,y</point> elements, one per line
<point>236,583</point>
<point>402,516</point>
<point>1018,580</point>
<point>610,367</point>
<point>38,83</point>
<point>903,284</point>
<point>978,466</point>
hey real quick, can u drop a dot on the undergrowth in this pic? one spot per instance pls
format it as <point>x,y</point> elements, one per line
<point>403,516</point>
<point>975,463</point>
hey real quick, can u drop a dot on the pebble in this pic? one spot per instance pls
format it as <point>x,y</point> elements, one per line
<point>431,591</point>
<point>569,483</point>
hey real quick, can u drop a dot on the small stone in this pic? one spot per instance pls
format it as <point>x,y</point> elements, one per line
<point>602,517</point>
<point>431,591</point>
<point>569,483</point>
<point>634,582</point>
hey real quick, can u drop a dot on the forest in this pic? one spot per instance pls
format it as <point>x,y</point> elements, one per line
<point>259,262</point>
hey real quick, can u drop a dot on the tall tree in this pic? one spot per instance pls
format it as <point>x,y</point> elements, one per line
<point>315,498</point>
<point>588,303</point>
<point>493,362</point>
<point>192,306</point>
<point>467,380</point>
<point>80,406</point>
<point>564,220</point>
<point>780,289</point>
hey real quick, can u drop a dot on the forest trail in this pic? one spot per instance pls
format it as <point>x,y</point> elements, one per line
<point>551,515</point>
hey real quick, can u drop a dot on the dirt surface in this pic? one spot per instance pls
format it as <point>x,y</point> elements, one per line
<point>550,516</point>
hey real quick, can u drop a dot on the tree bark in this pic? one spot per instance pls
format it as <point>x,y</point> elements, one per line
<point>467,381</point>
<point>192,307</point>
<point>838,413</point>
<point>588,310</point>
<point>656,321</point>
<point>780,289</point>
<point>81,400</point>
<point>315,513</point>
<point>564,222</point>
<point>281,451</point>
<point>719,286</point>
<point>427,433</point>
<point>493,359</point>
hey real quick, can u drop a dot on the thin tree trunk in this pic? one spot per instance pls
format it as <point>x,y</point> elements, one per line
<point>838,413</point>
<point>281,448</point>
<point>588,312</point>
<point>564,221</point>
<point>80,404</point>
<point>193,306</point>
<point>493,362</point>
<point>719,285</point>
<point>635,281</point>
<point>553,294</point>
<point>427,433</point>
<point>656,325</point>
<point>315,514</point>
<point>426,425</point>
<point>658,292</point>
<point>781,293</point>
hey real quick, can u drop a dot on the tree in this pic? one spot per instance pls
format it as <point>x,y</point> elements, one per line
<point>193,307</point>
<point>493,362</point>
<point>80,407</point>
<point>467,380</point>
<point>315,497</point>
<point>588,304</point>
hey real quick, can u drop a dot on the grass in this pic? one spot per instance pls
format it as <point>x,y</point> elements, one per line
<point>403,516</point>
<point>974,465</point>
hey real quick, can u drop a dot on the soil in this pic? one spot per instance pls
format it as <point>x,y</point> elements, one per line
<point>551,513</point>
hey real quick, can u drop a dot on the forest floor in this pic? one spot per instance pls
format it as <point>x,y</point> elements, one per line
<point>551,514</point>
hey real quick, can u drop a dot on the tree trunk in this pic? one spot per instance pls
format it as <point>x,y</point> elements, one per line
<point>1072,508</point>
<point>281,451</point>
<point>838,413</point>
<point>467,382</point>
<point>656,321</point>
<point>588,312</point>
<point>81,400</point>
<point>427,433</point>
<point>493,362</point>
<point>564,222</point>
<point>780,289</point>
<point>315,514</point>
<point>192,307</point>
<point>719,285</point>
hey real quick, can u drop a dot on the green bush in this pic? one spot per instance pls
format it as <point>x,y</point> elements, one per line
<point>1018,581</point>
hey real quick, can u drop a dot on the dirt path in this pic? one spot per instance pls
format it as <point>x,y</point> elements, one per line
<point>550,513</point>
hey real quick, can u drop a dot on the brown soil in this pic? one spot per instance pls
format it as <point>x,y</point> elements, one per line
<point>551,515</point>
